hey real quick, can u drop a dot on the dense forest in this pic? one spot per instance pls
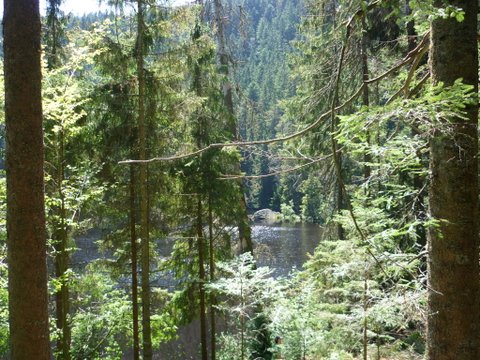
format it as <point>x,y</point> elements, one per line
<point>149,151</point>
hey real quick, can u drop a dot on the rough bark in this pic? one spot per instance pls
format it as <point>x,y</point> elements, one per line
<point>453,272</point>
<point>144,232</point>
<point>26,232</point>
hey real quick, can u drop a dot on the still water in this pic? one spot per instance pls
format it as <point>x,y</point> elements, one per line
<point>284,247</point>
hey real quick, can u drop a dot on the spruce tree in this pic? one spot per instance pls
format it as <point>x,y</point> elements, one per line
<point>26,232</point>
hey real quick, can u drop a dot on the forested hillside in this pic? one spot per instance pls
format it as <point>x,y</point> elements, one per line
<point>157,156</point>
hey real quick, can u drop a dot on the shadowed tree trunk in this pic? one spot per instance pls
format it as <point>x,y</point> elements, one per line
<point>201,279</point>
<point>365,95</point>
<point>453,297</point>
<point>26,232</point>
<point>211,251</point>
<point>133,245</point>
<point>62,259</point>
<point>144,232</point>
<point>60,233</point>
<point>201,139</point>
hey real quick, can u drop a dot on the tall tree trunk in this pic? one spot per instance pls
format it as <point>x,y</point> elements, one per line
<point>60,232</point>
<point>365,96</point>
<point>144,233</point>
<point>60,239</point>
<point>213,341</point>
<point>201,138</point>
<point>337,154</point>
<point>201,279</point>
<point>453,271</point>
<point>244,230</point>
<point>26,232</point>
<point>133,245</point>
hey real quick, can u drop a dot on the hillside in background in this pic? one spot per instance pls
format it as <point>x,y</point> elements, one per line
<point>261,40</point>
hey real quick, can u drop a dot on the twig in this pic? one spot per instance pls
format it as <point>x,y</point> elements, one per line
<point>408,58</point>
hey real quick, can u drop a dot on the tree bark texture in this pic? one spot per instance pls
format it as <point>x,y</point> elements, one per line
<point>26,232</point>
<point>453,271</point>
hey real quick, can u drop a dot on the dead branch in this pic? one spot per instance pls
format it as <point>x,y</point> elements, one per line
<point>275,173</point>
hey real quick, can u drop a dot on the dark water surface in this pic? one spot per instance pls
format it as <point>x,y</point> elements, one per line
<point>284,247</point>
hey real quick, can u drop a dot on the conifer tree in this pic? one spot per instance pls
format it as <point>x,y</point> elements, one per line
<point>58,219</point>
<point>244,231</point>
<point>143,187</point>
<point>453,245</point>
<point>26,232</point>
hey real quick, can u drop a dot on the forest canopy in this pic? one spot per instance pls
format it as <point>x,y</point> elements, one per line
<point>158,156</point>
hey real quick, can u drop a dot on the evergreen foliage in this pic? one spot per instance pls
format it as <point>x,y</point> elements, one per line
<point>336,110</point>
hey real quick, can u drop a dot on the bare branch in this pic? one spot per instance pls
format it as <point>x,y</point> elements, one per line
<point>275,173</point>
<point>408,58</point>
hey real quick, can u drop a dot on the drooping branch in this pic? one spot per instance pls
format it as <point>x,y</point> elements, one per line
<point>407,59</point>
<point>276,173</point>
<point>336,152</point>
<point>317,122</point>
<point>411,56</point>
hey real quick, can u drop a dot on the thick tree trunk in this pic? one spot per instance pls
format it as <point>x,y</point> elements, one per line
<point>26,233</point>
<point>133,245</point>
<point>453,271</point>
<point>144,232</point>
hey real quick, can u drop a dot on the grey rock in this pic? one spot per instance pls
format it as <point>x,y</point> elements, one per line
<point>266,216</point>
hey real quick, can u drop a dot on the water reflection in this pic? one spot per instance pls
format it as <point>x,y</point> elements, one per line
<point>284,247</point>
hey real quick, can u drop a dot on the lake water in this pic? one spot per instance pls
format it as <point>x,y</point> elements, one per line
<point>284,247</point>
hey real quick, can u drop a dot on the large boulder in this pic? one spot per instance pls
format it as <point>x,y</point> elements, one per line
<point>266,216</point>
